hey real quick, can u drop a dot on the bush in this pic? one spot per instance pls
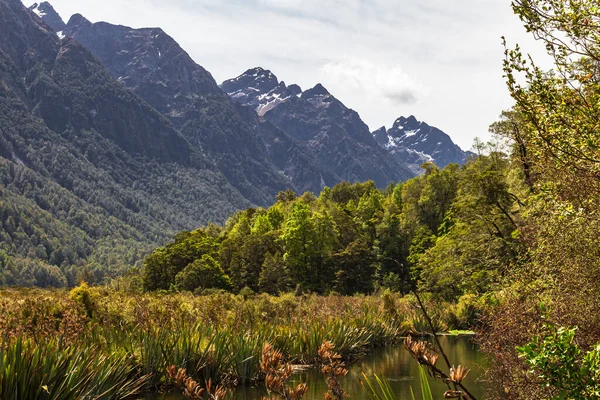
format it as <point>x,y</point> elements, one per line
<point>203,273</point>
<point>246,293</point>
<point>83,296</point>
<point>560,365</point>
<point>465,313</point>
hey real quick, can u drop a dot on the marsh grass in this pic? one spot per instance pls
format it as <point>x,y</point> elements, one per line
<point>54,370</point>
<point>121,343</point>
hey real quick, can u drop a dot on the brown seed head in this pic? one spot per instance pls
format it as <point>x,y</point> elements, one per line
<point>458,374</point>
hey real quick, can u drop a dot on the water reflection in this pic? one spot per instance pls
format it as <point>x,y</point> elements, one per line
<point>393,362</point>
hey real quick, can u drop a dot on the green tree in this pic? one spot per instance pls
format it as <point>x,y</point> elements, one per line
<point>274,275</point>
<point>355,269</point>
<point>299,240</point>
<point>161,267</point>
<point>204,273</point>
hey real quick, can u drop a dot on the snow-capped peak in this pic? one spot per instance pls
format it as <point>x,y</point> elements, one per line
<point>414,142</point>
<point>260,89</point>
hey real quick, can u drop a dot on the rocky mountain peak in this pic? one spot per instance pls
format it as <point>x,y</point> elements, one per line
<point>317,91</point>
<point>294,89</point>
<point>417,142</point>
<point>404,123</point>
<point>46,12</point>
<point>259,79</point>
<point>380,136</point>
<point>260,89</point>
<point>78,20</point>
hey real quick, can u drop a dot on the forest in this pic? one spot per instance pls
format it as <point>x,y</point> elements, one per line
<point>355,238</point>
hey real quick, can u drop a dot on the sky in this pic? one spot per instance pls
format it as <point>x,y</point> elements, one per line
<point>439,60</point>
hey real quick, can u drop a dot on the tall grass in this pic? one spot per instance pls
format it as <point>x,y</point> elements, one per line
<point>53,371</point>
<point>57,346</point>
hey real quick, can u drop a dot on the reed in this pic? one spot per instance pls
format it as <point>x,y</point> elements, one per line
<point>52,370</point>
<point>121,343</point>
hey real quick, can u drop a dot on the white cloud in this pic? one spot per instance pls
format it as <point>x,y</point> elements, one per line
<point>372,81</point>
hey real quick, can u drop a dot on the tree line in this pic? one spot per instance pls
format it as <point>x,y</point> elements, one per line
<point>355,238</point>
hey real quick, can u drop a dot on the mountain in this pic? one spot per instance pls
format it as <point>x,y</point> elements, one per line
<point>90,174</point>
<point>257,159</point>
<point>335,134</point>
<point>414,142</point>
<point>112,139</point>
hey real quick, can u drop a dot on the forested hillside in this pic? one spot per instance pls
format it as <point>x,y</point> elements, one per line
<point>91,176</point>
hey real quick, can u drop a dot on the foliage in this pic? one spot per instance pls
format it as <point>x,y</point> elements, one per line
<point>333,369</point>
<point>51,370</point>
<point>84,297</point>
<point>553,135</point>
<point>203,273</point>
<point>191,389</point>
<point>560,365</point>
<point>216,338</point>
<point>452,230</point>
<point>277,373</point>
<point>380,389</point>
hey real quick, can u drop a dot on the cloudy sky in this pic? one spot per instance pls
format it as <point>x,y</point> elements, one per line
<point>440,60</point>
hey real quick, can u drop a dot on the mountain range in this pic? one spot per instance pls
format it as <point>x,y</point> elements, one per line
<point>333,131</point>
<point>112,139</point>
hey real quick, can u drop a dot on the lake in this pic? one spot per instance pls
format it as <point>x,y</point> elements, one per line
<point>395,363</point>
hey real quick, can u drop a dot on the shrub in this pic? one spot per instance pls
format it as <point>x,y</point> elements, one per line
<point>83,296</point>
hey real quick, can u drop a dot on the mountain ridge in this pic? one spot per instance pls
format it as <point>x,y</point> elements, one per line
<point>246,150</point>
<point>333,132</point>
<point>259,89</point>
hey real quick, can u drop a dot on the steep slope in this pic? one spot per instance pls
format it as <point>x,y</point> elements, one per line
<point>415,142</point>
<point>258,159</point>
<point>89,173</point>
<point>332,132</point>
<point>45,11</point>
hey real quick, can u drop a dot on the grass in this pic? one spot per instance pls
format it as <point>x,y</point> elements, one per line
<point>63,372</point>
<point>98,343</point>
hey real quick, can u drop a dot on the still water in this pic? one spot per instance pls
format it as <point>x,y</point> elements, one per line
<point>395,363</point>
